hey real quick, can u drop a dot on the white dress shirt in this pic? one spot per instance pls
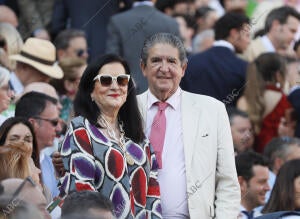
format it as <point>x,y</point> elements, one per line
<point>224,43</point>
<point>16,84</point>
<point>268,44</point>
<point>172,176</point>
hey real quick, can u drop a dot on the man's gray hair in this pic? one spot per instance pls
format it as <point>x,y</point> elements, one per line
<point>163,38</point>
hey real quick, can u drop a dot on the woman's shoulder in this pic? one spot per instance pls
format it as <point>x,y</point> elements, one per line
<point>78,120</point>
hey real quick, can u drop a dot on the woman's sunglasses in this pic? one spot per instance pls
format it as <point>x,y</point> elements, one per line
<point>107,80</point>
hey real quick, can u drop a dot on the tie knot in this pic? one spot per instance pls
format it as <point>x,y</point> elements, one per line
<point>162,105</point>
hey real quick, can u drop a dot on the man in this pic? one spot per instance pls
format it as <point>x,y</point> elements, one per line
<point>241,130</point>
<point>89,203</point>
<point>253,173</point>
<point>42,112</point>
<point>280,27</point>
<point>127,31</point>
<point>35,63</point>
<point>28,192</point>
<point>197,174</point>
<point>71,43</point>
<point>218,72</point>
<point>279,151</point>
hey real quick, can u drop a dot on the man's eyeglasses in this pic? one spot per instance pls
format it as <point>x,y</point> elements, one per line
<point>54,122</point>
<point>107,80</point>
<point>21,186</point>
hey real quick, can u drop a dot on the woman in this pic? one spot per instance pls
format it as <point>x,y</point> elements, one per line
<point>6,94</point>
<point>105,148</point>
<point>12,131</point>
<point>263,99</point>
<point>67,87</point>
<point>19,154</point>
<point>285,195</point>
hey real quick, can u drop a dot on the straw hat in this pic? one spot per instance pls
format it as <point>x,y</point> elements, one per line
<point>40,54</point>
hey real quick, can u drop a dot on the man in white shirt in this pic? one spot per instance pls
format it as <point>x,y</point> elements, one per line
<point>197,175</point>
<point>253,173</point>
<point>281,26</point>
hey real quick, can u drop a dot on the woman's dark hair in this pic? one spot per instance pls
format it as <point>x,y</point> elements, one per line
<point>129,113</point>
<point>283,193</point>
<point>6,127</point>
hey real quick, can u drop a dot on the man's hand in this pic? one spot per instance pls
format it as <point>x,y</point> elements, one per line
<point>58,164</point>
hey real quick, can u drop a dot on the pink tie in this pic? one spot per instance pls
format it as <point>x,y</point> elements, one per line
<point>158,131</point>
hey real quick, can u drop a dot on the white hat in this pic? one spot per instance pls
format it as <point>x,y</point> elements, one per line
<point>40,54</point>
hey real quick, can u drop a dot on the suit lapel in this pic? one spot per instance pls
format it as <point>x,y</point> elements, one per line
<point>142,103</point>
<point>191,125</point>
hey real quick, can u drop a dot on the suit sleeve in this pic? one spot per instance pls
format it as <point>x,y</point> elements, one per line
<point>228,197</point>
<point>59,17</point>
<point>113,42</point>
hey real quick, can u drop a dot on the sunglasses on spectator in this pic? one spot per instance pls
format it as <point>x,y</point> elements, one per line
<point>54,122</point>
<point>20,188</point>
<point>80,52</point>
<point>107,80</point>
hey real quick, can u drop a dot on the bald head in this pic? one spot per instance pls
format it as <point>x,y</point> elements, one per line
<point>41,87</point>
<point>29,193</point>
<point>8,16</point>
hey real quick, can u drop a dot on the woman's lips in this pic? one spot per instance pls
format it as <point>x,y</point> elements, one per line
<point>114,95</point>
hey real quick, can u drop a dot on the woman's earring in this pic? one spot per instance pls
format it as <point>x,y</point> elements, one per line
<point>278,85</point>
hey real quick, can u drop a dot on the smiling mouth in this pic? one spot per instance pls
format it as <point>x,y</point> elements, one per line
<point>114,95</point>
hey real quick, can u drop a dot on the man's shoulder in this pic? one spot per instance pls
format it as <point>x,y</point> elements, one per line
<point>201,100</point>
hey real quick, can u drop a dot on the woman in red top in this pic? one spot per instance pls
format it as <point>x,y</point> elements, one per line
<point>263,98</point>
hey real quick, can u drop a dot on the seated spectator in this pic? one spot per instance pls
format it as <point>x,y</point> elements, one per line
<point>241,130</point>
<point>26,190</point>
<point>6,94</point>
<point>263,98</point>
<point>67,87</point>
<point>11,44</point>
<point>203,41</point>
<point>253,174</point>
<point>205,18</point>
<point>71,43</point>
<point>18,130</point>
<point>88,203</point>
<point>285,195</point>
<point>35,63</point>
<point>42,112</point>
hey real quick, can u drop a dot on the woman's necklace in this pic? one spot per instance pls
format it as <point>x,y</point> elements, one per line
<point>112,134</point>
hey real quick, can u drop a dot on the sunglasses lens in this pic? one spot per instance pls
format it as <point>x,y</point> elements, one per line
<point>54,122</point>
<point>105,80</point>
<point>122,80</point>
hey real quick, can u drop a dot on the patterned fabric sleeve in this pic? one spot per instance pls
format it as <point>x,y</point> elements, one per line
<point>153,205</point>
<point>79,162</point>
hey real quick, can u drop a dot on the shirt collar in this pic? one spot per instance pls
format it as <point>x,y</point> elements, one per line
<point>268,44</point>
<point>173,101</point>
<point>224,43</point>
<point>149,3</point>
